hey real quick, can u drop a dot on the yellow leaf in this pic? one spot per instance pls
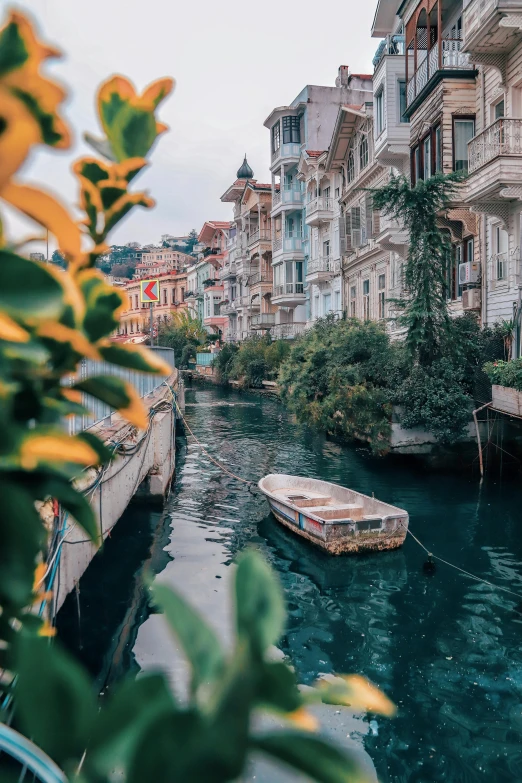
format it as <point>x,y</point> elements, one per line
<point>303,719</point>
<point>92,168</point>
<point>64,334</point>
<point>19,133</point>
<point>47,211</point>
<point>36,50</point>
<point>55,448</point>
<point>366,696</point>
<point>89,194</point>
<point>46,629</point>
<point>73,395</point>
<point>9,330</point>
<point>161,127</point>
<point>128,168</point>
<point>135,412</point>
<point>158,91</point>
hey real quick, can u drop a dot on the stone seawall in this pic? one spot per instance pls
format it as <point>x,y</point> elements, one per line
<point>146,469</point>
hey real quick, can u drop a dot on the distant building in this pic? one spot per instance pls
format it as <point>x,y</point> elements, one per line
<point>135,321</point>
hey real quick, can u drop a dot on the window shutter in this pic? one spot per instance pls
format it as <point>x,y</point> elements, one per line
<point>356,227</point>
<point>376,222</point>
<point>368,205</point>
<point>348,231</point>
<point>342,235</point>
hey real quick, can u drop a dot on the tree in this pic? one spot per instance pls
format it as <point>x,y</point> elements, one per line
<point>123,270</point>
<point>185,334</point>
<point>191,240</point>
<point>425,308</point>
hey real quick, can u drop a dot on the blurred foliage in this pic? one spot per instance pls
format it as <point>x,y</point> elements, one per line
<point>50,320</point>
<point>503,373</point>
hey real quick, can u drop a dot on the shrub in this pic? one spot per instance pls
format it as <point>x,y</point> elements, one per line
<point>255,360</point>
<point>224,361</point>
<point>505,373</point>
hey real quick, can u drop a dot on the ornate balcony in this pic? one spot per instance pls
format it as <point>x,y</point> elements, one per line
<point>495,162</point>
<point>286,152</point>
<point>320,270</point>
<point>319,210</point>
<point>288,294</point>
<point>260,279</point>
<point>228,271</point>
<point>259,237</point>
<point>491,27</point>
<point>263,321</point>
<point>287,331</point>
<point>290,243</point>
<point>445,59</point>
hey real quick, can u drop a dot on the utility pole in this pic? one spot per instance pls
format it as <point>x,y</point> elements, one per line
<point>151,324</point>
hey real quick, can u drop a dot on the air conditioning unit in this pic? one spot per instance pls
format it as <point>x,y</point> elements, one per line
<point>468,273</point>
<point>471,298</point>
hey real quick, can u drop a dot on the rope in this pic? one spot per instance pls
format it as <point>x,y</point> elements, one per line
<point>210,457</point>
<point>462,570</point>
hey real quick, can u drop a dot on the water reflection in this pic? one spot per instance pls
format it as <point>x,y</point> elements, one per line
<point>446,648</point>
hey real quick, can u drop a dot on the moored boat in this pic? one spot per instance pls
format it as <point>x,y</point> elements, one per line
<point>337,519</point>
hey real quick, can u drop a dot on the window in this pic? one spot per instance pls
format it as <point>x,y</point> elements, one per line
<point>326,249</point>
<point>327,303</point>
<point>363,151</point>
<point>217,303</point>
<point>382,296</point>
<point>316,306</point>
<point>380,120</point>
<point>416,164</point>
<point>350,168</point>
<point>136,301</point>
<point>366,300</point>
<point>276,136</point>
<point>402,100</point>
<point>336,192</point>
<point>438,149</point>
<point>173,295</point>
<point>337,298</point>
<point>353,301</point>
<point>426,156</point>
<point>299,287</point>
<point>501,252</point>
<point>326,194</point>
<point>164,296</point>
<point>463,131</point>
<point>291,130</point>
<point>499,109</point>
<point>454,288</point>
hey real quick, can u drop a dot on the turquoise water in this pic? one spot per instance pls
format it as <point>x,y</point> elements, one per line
<point>444,647</point>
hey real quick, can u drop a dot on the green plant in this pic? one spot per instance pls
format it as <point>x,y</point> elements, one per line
<point>224,361</point>
<point>49,321</point>
<point>338,377</point>
<point>505,373</point>
<point>144,734</point>
<point>185,334</point>
<point>255,360</point>
<point>424,308</point>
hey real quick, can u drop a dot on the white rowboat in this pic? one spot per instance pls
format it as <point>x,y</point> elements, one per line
<point>335,518</point>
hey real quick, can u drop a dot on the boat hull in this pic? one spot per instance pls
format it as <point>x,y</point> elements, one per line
<point>336,540</point>
<point>330,527</point>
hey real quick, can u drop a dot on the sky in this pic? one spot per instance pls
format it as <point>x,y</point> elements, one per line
<point>233,62</point>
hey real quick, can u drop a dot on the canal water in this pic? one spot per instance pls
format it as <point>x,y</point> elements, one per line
<point>447,649</point>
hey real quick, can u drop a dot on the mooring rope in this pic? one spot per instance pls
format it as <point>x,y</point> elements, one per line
<point>211,458</point>
<point>462,570</point>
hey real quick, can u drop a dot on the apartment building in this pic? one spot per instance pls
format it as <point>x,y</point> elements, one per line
<point>305,124</point>
<point>247,272</point>
<point>491,32</point>
<point>208,292</point>
<point>135,321</point>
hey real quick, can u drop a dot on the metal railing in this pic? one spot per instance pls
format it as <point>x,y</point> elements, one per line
<point>288,289</point>
<point>503,137</point>
<point>259,236</point>
<point>320,204</point>
<point>263,320</point>
<point>144,383</point>
<point>277,243</point>
<point>229,270</point>
<point>287,331</point>
<point>276,197</point>
<point>451,58</point>
<point>260,277</point>
<point>321,264</point>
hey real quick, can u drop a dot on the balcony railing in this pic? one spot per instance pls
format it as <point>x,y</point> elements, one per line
<point>320,204</point>
<point>277,244</point>
<point>229,270</point>
<point>451,59</point>
<point>259,277</point>
<point>504,137</point>
<point>321,264</point>
<point>259,236</point>
<point>392,44</point>
<point>289,289</point>
<point>287,331</point>
<point>276,197</point>
<point>292,150</point>
<point>263,321</point>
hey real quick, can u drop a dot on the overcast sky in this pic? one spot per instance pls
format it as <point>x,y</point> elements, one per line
<point>233,62</point>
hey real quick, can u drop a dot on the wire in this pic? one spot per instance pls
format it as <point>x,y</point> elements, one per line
<point>203,449</point>
<point>462,570</point>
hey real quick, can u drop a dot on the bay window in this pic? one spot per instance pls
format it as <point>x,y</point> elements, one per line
<point>291,130</point>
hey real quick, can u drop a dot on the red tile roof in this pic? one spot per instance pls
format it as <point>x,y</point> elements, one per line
<point>362,75</point>
<point>314,153</point>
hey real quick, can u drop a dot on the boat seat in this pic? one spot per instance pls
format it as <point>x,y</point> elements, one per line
<point>311,502</point>
<point>340,511</point>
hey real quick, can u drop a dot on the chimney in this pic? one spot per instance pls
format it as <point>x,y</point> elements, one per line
<point>343,76</point>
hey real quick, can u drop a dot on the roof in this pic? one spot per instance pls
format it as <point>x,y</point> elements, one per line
<point>362,75</point>
<point>314,153</point>
<point>343,130</point>
<point>210,226</point>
